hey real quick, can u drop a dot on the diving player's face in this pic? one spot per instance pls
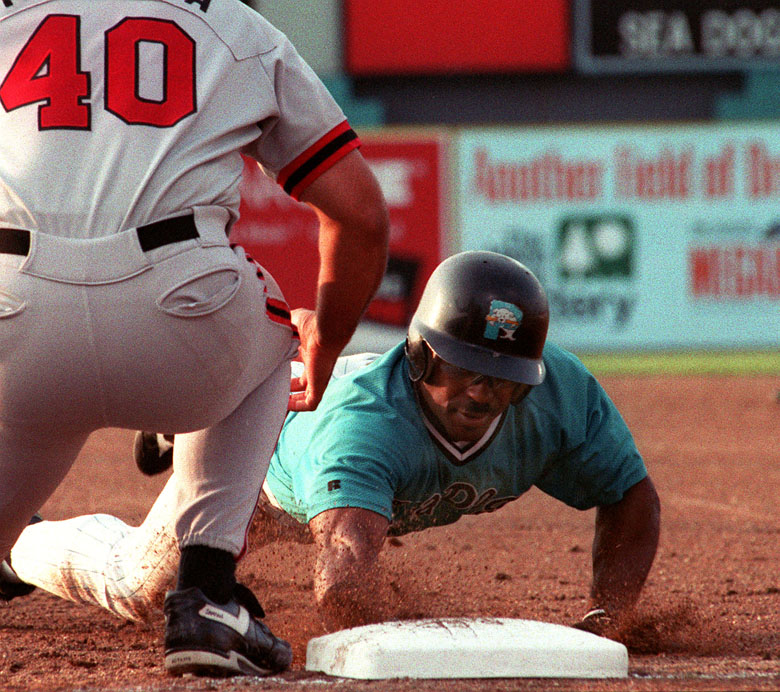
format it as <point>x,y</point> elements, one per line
<point>461,403</point>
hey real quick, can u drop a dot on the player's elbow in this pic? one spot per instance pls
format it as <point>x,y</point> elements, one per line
<point>635,519</point>
<point>652,507</point>
<point>349,202</point>
<point>366,225</point>
<point>642,515</point>
<point>376,229</point>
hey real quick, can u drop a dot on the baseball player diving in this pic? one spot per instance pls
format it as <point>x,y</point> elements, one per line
<point>122,129</point>
<point>464,417</point>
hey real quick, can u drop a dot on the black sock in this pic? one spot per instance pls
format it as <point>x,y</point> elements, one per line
<point>212,570</point>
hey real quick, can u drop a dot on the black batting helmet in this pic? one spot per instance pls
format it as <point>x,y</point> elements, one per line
<point>484,312</point>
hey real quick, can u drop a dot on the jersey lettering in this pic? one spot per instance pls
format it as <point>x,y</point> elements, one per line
<point>463,497</point>
<point>124,98</point>
<point>428,506</point>
<point>498,503</point>
<point>47,70</point>
<point>466,497</point>
<point>157,93</point>
<point>203,4</point>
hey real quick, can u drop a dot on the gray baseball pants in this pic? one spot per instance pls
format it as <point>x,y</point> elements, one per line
<point>100,333</point>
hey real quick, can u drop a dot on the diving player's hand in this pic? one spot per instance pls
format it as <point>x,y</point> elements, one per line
<point>597,621</point>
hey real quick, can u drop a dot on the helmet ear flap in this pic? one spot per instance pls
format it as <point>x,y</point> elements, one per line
<point>523,391</point>
<point>419,359</point>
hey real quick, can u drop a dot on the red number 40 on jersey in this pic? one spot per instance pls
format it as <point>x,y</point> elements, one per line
<point>48,71</point>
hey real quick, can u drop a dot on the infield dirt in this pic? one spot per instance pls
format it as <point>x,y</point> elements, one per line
<point>709,618</point>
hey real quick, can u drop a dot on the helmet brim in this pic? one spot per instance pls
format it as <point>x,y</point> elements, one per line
<point>482,360</point>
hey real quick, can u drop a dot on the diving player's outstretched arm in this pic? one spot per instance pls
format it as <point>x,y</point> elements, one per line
<point>348,585</point>
<point>624,546</point>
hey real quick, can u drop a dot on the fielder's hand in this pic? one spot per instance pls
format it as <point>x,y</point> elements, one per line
<point>306,391</point>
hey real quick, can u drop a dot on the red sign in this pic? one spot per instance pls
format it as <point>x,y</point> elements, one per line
<point>281,234</point>
<point>441,36</point>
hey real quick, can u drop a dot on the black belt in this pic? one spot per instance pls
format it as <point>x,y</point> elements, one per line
<point>16,241</point>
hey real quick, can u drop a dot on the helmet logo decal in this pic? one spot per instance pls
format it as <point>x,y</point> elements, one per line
<point>502,321</point>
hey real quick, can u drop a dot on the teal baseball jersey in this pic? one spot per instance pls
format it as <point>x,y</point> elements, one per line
<point>369,445</point>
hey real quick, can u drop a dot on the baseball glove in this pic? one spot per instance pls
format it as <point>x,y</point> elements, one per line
<point>153,452</point>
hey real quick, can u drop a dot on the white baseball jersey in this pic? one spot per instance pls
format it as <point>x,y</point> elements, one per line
<point>118,113</point>
<point>122,124</point>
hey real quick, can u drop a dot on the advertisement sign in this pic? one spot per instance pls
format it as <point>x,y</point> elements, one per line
<point>643,236</point>
<point>385,37</point>
<point>676,35</point>
<point>281,234</point>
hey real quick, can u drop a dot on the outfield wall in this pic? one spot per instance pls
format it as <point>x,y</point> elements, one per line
<point>644,237</point>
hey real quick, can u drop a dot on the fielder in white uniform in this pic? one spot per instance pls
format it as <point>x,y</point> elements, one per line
<point>122,124</point>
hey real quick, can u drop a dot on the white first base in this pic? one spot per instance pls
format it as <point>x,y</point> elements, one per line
<point>466,648</point>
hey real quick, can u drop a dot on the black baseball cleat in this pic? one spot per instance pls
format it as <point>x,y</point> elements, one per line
<point>204,638</point>
<point>10,584</point>
<point>153,452</point>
